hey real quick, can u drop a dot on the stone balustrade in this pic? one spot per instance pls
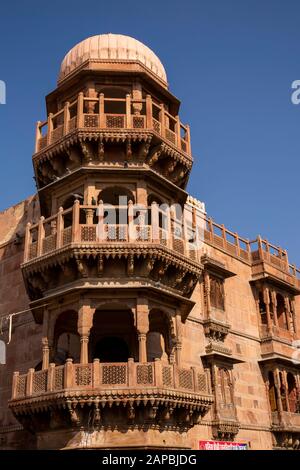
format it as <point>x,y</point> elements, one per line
<point>103,376</point>
<point>89,114</point>
<point>253,252</point>
<point>65,228</point>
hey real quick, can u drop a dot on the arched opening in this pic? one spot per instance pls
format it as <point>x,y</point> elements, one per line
<point>66,338</point>
<point>67,204</point>
<point>262,308</point>
<point>281,312</point>
<point>272,392</point>
<point>115,93</point>
<point>115,200</point>
<point>113,337</point>
<point>292,392</point>
<point>159,336</point>
<point>111,349</point>
<point>162,215</point>
<point>283,392</point>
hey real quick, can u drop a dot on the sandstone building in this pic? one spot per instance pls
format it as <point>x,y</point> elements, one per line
<point>142,325</point>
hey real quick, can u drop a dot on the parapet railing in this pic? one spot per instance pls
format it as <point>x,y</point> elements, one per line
<point>91,114</point>
<point>85,224</point>
<point>127,375</point>
<point>250,250</point>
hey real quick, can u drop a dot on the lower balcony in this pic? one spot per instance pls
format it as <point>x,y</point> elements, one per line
<point>119,396</point>
<point>286,421</point>
<point>286,430</point>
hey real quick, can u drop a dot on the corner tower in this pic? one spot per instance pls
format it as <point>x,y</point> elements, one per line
<point>111,265</point>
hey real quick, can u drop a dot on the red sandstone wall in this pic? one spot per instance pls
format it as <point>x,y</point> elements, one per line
<point>24,350</point>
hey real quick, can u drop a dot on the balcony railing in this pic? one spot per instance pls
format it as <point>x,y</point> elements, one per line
<point>286,420</point>
<point>84,224</point>
<point>89,114</point>
<point>253,251</point>
<point>103,376</point>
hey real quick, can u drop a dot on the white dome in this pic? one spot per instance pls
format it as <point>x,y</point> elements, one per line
<point>111,48</point>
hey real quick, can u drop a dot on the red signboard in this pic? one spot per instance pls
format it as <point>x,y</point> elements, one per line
<point>222,445</point>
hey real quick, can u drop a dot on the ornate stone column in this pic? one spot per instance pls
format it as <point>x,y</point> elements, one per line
<point>45,345</point>
<point>178,340</point>
<point>273,294</point>
<point>45,342</point>
<point>289,320</point>
<point>284,374</point>
<point>267,302</point>
<point>85,323</point>
<point>142,326</point>
<point>278,392</point>
<point>206,286</point>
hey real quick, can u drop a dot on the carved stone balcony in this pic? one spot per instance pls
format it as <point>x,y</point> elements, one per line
<point>271,263</point>
<point>61,250</point>
<point>80,134</point>
<point>286,421</point>
<point>267,260</point>
<point>149,395</point>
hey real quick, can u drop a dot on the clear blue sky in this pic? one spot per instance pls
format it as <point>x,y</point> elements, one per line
<point>231,62</point>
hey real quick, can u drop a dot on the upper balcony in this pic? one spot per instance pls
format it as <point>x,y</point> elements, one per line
<point>132,250</point>
<point>122,116</point>
<point>267,260</point>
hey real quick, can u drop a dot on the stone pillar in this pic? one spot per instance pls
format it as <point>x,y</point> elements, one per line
<point>85,323</point>
<point>289,320</point>
<point>45,344</point>
<point>155,222</point>
<point>285,383</point>
<point>84,342</point>
<point>293,315</point>
<point>277,386</point>
<point>141,194</point>
<point>137,95</point>
<point>41,236</point>
<point>142,347</point>
<point>75,222</point>
<point>59,227</point>
<point>273,294</point>
<point>131,227</point>
<point>207,293</point>
<point>89,215</point>
<point>142,326</point>
<point>266,296</point>
<point>178,340</point>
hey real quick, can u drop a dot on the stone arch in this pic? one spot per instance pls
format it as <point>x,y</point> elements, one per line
<point>281,311</point>
<point>262,308</point>
<point>273,399</point>
<point>292,392</point>
<point>66,342</point>
<point>160,335</point>
<point>115,92</point>
<point>115,199</point>
<point>67,203</point>
<point>113,336</point>
<point>110,194</point>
